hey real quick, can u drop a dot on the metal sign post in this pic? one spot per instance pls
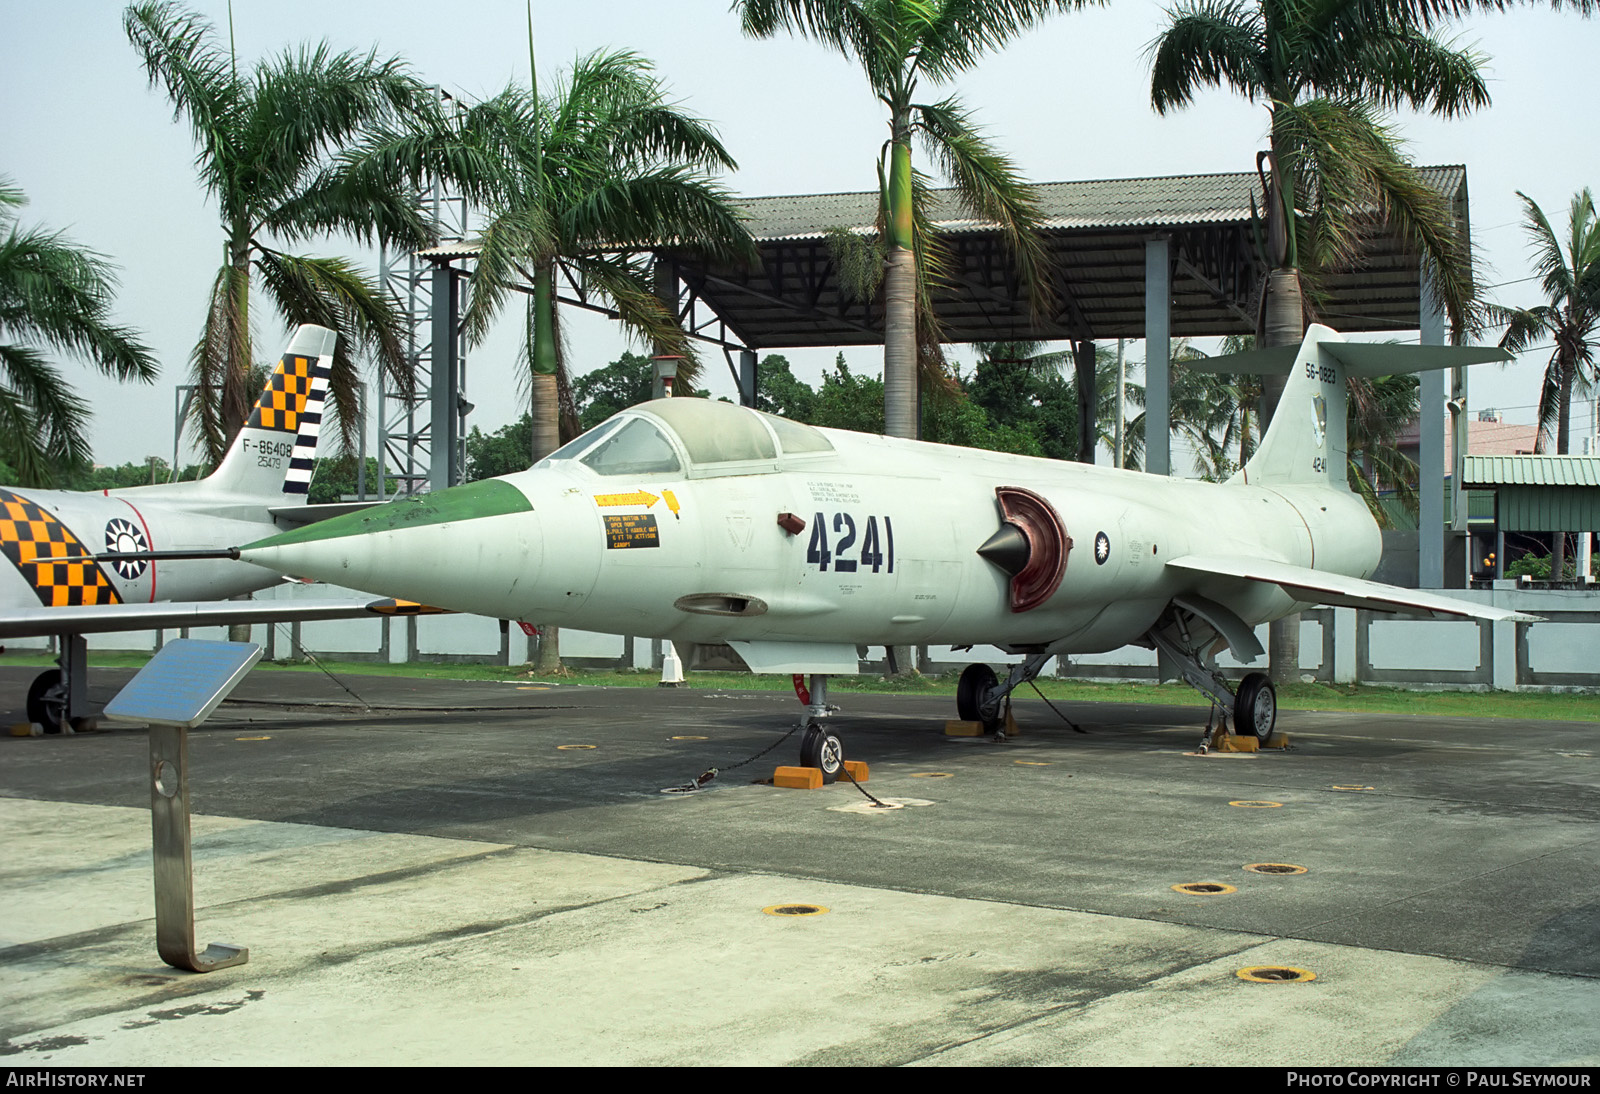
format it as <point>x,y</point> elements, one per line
<point>174,693</point>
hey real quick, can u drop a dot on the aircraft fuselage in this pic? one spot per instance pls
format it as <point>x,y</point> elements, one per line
<point>887,554</point>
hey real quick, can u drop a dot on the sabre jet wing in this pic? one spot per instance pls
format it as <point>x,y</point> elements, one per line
<point>705,522</point>
<point>52,583</point>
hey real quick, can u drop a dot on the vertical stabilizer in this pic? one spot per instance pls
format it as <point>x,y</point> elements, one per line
<point>1305,444</point>
<point>273,455</point>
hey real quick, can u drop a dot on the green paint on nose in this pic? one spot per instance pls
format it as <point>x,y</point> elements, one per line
<point>489,498</point>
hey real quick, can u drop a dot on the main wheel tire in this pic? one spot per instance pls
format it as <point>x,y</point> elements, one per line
<point>1255,707</point>
<point>976,682</point>
<point>47,700</point>
<point>822,749</point>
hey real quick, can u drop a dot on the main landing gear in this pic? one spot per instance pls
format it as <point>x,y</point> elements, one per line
<point>820,747</point>
<point>57,697</point>
<point>981,697</point>
<point>1253,708</point>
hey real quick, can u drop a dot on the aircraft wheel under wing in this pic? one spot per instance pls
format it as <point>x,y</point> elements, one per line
<point>821,748</point>
<point>47,700</point>
<point>1255,707</point>
<point>976,683</point>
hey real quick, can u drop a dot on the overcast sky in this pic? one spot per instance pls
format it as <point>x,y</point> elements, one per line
<point>98,154</point>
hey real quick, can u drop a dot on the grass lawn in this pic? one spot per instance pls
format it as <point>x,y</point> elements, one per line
<point>1575,707</point>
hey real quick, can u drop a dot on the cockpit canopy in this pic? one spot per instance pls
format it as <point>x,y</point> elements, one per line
<point>693,438</point>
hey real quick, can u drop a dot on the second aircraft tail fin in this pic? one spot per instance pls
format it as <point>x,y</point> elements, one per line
<point>273,456</point>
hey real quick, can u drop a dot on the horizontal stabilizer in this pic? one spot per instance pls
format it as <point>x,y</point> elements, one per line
<point>1320,587</point>
<point>98,618</point>
<point>1358,358</point>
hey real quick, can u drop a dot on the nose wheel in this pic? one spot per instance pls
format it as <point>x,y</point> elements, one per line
<point>822,749</point>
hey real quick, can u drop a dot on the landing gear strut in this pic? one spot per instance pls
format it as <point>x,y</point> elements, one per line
<point>820,747</point>
<point>981,697</point>
<point>57,698</point>
<point>1253,709</point>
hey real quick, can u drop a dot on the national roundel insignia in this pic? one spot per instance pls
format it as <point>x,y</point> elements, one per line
<point>124,537</point>
<point>1102,548</point>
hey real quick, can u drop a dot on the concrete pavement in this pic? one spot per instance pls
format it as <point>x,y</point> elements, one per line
<point>481,873</point>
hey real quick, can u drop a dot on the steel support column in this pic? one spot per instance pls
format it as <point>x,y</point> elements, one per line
<point>1088,399</point>
<point>445,469</point>
<point>747,377</point>
<point>1430,458</point>
<point>1157,356</point>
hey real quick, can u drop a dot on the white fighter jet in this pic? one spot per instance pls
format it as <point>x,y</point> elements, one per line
<point>81,563</point>
<point>701,521</point>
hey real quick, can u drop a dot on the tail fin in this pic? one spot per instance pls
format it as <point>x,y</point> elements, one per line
<point>1306,443</point>
<point>273,455</point>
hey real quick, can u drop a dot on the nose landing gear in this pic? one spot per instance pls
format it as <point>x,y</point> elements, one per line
<point>820,747</point>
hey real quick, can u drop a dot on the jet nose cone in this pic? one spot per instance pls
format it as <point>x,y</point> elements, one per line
<point>411,548</point>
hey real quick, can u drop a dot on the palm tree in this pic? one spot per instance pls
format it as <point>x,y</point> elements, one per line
<point>1323,69</point>
<point>1023,384</point>
<point>267,143</point>
<point>56,295</point>
<point>1378,410</point>
<point>899,43</point>
<point>582,180</point>
<point>1570,318</point>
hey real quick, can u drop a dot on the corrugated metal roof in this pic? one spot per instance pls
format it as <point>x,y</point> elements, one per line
<point>1531,471</point>
<point>451,249</point>
<point>1096,235</point>
<point>1103,203</point>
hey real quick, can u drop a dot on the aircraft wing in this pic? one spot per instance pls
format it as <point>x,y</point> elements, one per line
<point>98,618</point>
<point>1320,587</point>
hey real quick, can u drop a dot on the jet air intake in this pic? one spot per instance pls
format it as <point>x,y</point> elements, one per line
<point>1031,546</point>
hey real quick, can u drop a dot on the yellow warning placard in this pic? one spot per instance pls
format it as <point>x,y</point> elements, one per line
<point>636,497</point>
<point>631,530</point>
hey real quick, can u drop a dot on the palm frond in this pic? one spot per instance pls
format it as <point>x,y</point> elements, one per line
<point>332,293</point>
<point>513,240</point>
<point>991,186</point>
<point>1207,43</point>
<point>178,54</point>
<point>627,285</point>
<point>859,259</point>
<point>44,427</point>
<point>60,294</point>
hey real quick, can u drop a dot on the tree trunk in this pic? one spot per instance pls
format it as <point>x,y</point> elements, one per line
<point>900,345</point>
<point>901,405</point>
<point>547,661</point>
<point>546,423</point>
<point>900,298</point>
<point>1285,326</point>
<point>1558,553</point>
<point>237,399</point>
<point>546,417</point>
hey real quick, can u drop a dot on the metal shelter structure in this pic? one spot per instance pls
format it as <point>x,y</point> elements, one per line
<point>1556,494</point>
<point>1149,258</point>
